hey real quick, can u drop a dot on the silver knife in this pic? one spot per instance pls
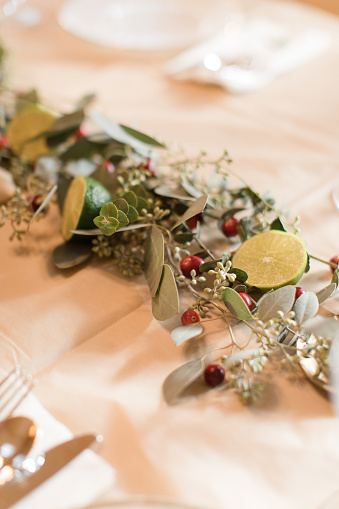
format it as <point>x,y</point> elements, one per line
<point>55,459</point>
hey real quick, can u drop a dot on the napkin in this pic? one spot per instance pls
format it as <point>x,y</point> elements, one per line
<point>78,483</point>
<point>247,55</point>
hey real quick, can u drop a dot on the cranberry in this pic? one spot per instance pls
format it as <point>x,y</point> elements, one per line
<point>193,221</point>
<point>190,316</point>
<point>229,227</point>
<point>109,167</point>
<point>81,132</point>
<point>298,291</point>
<point>189,263</point>
<point>151,166</point>
<point>335,260</point>
<point>36,202</point>
<point>246,299</point>
<point>4,141</point>
<point>214,374</point>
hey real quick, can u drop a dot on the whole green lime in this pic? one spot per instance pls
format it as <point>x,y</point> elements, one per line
<point>84,199</point>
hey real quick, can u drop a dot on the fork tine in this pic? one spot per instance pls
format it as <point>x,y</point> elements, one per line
<point>14,388</point>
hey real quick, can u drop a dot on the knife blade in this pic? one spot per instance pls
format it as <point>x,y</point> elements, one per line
<point>55,459</point>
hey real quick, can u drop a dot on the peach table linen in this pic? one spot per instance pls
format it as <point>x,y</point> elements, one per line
<point>89,335</point>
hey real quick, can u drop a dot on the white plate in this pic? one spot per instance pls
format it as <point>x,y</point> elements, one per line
<point>144,24</point>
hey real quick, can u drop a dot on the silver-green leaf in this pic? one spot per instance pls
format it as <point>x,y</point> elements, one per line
<point>154,258</point>
<point>279,300</point>
<point>165,304</point>
<point>236,305</point>
<point>306,307</point>
<point>180,379</point>
<point>326,292</point>
<point>196,208</point>
<point>182,334</point>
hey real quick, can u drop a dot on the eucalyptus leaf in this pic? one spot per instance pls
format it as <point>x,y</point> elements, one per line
<point>183,237</point>
<point>123,219</point>
<point>335,277</point>
<point>44,203</point>
<point>195,193</point>
<point>67,122</point>
<point>278,300</point>
<point>236,305</point>
<point>180,379</point>
<point>165,304</point>
<point>142,204</point>
<point>154,258</point>
<point>117,133</point>
<point>308,264</point>
<point>242,276</point>
<point>324,326</point>
<point>306,307</point>
<point>326,292</point>
<point>71,254</point>
<point>210,265</point>
<point>85,101</point>
<point>182,334</point>
<point>139,191</point>
<point>121,204</point>
<point>170,192</point>
<point>244,228</point>
<point>82,148</point>
<point>107,225</point>
<point>277,225</point>
<point>132,214</point>
<point>230,213</point>
<point>196,208</point>
<point>142,137</point>
<point>93,232</point>
<point>131,198</point>
<point>109,210</point>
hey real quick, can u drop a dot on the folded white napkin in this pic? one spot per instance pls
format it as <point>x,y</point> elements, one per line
<point>247,55</point>
<point>78,483</point>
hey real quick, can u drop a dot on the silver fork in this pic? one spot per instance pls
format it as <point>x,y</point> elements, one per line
<point>14,388</point>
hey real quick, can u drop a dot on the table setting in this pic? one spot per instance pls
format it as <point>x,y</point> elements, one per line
<point>169,258</point>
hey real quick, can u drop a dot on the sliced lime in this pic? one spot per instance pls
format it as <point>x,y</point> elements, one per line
<point>272,259</point>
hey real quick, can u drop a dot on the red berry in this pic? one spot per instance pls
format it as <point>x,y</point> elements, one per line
<point>4,141</point>
<point>246,299</point>
<point>229,227</point>
<point>214,374</point>
<point>193,221</point>
<point>299,291</point>
<point>36,202</point>
<point>151,166</point>
<point>189,263</point>
<point>190,316</point>
<point>109,167</point>
<point>335,260</point>
<point>81,132</point>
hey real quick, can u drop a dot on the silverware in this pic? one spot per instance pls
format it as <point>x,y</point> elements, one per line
<point>14,387</point>
<point>55,459</point>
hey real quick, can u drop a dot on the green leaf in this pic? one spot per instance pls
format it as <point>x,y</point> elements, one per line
<point>210,265</point>
<point>154,258</point>
<point>165,304</point>
<point>142,137</point>
<point>121,204</point>
<point>85,101</point>
<point>139,191</point>
<point>117,133</point>
<point>196,208</point>
<point>244,228</point>
<point>182,334</point>
<point>109,210</point>
<point>180,379</point>
<point>326,292</point>
<point>131,198</point>
<point>278,300</point>
<point>324,326</point>
<point>173,192</point>
<point>107,225</point>
<point>44,203</point>
<point>71,254</point>
<point>82,149</point>
<point>183,237</point>
<point>123,219</point>
<point>242,276</point>
<point>277,225</point>
<point>236,305</point>
<point>306,307</point>
<point>27,99</point>
<point>67,122</point>
<point>230,213</point>
<point>132,214</point>
<point>142,204</point>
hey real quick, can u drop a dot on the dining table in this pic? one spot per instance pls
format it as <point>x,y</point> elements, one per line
<point>87,334</point>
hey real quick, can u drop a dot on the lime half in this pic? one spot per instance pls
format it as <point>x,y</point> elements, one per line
<point>272,259</point>
<point>84,199</point>
<point>24,130</point>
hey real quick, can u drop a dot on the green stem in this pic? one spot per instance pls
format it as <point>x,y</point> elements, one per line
<point>333,265</point>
